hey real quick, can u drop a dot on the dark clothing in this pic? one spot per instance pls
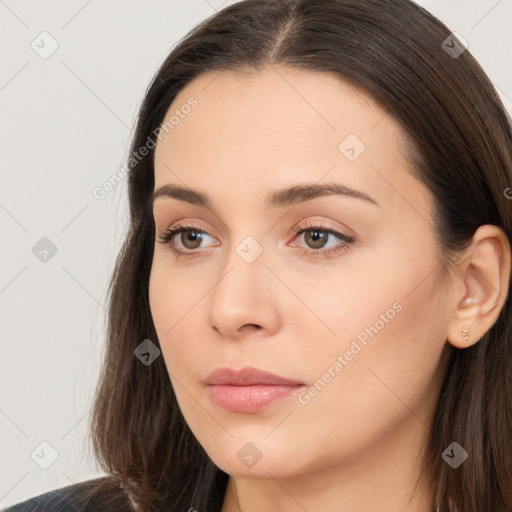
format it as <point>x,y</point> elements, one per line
<point>97,495</point>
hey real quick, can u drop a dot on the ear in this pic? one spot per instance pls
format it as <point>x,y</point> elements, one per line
<point>483,282</point>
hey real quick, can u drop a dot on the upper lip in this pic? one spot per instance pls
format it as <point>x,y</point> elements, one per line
<point>248,376</point>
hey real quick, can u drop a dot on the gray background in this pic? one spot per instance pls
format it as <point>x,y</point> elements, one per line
<point>66,125</point>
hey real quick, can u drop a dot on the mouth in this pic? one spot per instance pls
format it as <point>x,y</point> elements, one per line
<point>249,390</point>
<point>249,399</point>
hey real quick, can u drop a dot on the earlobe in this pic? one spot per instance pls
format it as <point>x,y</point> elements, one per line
<point>484,279</point>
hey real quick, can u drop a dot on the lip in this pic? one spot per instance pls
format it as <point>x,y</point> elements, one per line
<point>249,389</point>
<point>248,376</point>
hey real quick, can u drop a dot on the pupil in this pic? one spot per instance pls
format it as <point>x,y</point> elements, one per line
<point>317,238</point>
<point>191,238</point>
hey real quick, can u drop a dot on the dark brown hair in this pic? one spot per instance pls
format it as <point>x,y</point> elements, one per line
<point>462,151</point>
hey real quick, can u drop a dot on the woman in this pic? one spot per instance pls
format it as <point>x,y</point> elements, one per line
<point>310,310</point>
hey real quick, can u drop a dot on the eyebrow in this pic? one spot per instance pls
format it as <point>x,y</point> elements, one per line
<point>277,199</point>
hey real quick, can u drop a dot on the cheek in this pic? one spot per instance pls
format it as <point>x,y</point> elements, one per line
<point>175,300</point>
<point>383,360</point>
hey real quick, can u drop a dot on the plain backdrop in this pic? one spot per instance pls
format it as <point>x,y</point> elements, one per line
<point>66,121</point>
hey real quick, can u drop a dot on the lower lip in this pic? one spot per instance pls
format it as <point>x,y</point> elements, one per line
<point>249,398</point>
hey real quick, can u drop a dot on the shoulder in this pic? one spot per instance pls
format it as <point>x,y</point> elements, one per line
<point>99,494</point>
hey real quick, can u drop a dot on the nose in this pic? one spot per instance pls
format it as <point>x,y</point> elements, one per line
<point>245,298</point>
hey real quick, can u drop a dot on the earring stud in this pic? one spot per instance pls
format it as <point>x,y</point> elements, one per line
<point>465,334</point>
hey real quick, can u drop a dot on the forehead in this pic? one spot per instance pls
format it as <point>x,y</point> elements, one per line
<point>273,101</point>
<point>257,131</point>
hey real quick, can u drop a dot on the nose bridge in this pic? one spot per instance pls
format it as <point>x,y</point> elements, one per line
<point>247,237</point>
<point>245,265</point>
<point>250,250</point>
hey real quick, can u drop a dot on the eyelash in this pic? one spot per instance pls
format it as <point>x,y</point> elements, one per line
<point>170,234</point>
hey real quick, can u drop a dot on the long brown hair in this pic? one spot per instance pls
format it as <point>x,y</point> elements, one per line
<point>396,52</point>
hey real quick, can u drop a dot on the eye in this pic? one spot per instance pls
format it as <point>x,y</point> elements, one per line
<point>316,236</point>
<point>189,243</point>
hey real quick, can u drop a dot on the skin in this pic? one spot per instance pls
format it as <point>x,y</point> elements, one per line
<point>357,444</point>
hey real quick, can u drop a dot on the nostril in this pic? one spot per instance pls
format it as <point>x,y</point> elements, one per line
<point>251,326</point>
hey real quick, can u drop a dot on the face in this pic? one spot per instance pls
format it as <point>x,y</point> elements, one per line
<point>339,292</point>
